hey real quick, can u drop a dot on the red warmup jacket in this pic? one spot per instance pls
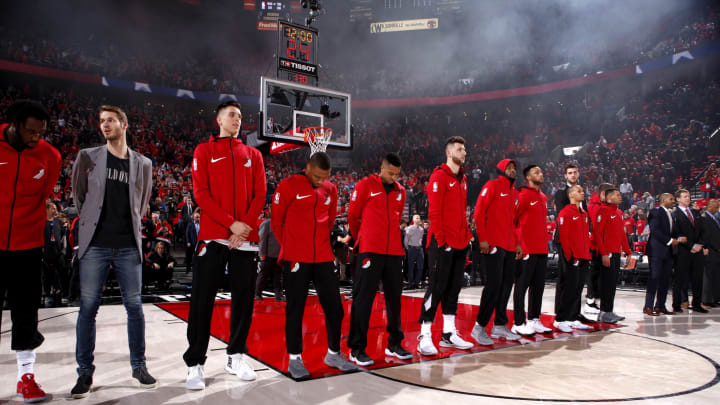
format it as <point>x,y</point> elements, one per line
<point>574,232</point>
<point>608,232</point>
<point>302,218</point>
<point>447,202</point>
<point>593,208</point>
<point>26,180</point>
<point>532,221</point>
<point>374,216</point>
<point>229,185</point>
<point>495,214</point>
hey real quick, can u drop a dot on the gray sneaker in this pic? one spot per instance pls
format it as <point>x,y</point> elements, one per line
<point>339,362</point>
<point>478,333</point>
<point>609,317</point>
<point>617,317</point>
<point>297,369</point>
<point>502,332</point>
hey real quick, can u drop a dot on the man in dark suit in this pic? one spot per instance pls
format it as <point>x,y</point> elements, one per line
<point>191,233</point>
<point>689,263</point>
<point>663,238</point>
<point>710,238</point>
<point>186,215</point>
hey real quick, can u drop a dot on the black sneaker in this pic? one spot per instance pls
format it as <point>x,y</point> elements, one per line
<point>82,387</point>
<point>360,358</point>
<point>398,351</point>
<point>143,378</point>
<point>582,318</point>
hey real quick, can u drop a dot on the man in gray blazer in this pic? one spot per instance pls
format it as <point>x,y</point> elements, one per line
<point>111,186</point>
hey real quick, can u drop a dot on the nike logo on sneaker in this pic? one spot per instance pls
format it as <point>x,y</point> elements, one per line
<point>374,194</point>
<point>533,203</point>
<point>504,195</point>
<point>248,163</point>
<point>217,160</point>
<point>300,197</point>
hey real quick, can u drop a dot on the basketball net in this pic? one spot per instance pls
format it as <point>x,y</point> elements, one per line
<point>318,138</point>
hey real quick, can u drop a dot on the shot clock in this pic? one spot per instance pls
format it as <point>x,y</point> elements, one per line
<point>297,53</point>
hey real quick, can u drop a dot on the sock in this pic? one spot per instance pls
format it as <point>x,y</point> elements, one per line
<point>425,328</point>
<point>25,362</point>
<point>295,357</point>
<point>448,323</point>
<point>331,352</point>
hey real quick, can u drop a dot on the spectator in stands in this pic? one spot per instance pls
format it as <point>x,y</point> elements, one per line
<point>626,189</point>
<point>191,238</point>
<point>159,266</point>
<point>186,208</point>
<point>162,230</point>
<point>54,270</point>
<point>269,253</point>
<point>340,237</point>
<point>415,252</point>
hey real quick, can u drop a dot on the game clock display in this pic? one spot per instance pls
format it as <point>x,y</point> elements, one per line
<point>297,53</point>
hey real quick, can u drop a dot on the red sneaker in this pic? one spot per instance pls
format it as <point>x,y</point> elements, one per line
<point>29,390</point>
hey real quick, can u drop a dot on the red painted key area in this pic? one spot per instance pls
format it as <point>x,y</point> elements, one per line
<point>266,341</point>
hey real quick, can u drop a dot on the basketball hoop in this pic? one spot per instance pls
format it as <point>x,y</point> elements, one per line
<point>318,138</point>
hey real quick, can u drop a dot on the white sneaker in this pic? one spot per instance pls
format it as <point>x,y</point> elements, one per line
<point>539,327</point>
<point>195,378</point>
<point>452,339</point>
<point>579,325</point>
<point>592,309</point>
<point>426,346</point>
<point>563,326</point>
<point>523,330</point>
<point>236,365</point>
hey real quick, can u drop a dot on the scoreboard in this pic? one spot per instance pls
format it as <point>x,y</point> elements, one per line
<point>297,53</point>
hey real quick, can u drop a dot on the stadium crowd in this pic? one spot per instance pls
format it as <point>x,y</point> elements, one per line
<point>222,74</point>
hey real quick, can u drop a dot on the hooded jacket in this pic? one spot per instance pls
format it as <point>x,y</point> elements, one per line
<point>496,210</point>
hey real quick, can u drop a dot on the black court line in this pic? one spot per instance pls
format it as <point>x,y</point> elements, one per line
<point>711,383</point>
<point>46,319</point>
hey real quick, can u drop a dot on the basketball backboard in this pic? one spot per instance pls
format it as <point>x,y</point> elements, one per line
<point>287,108</point>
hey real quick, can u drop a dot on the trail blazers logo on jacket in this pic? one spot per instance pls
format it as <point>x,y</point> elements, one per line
<point>202,249</point>
<point>277,198</point>
<point>366,263</point>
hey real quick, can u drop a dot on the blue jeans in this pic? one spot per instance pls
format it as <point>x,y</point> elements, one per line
<point>94,267</point>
